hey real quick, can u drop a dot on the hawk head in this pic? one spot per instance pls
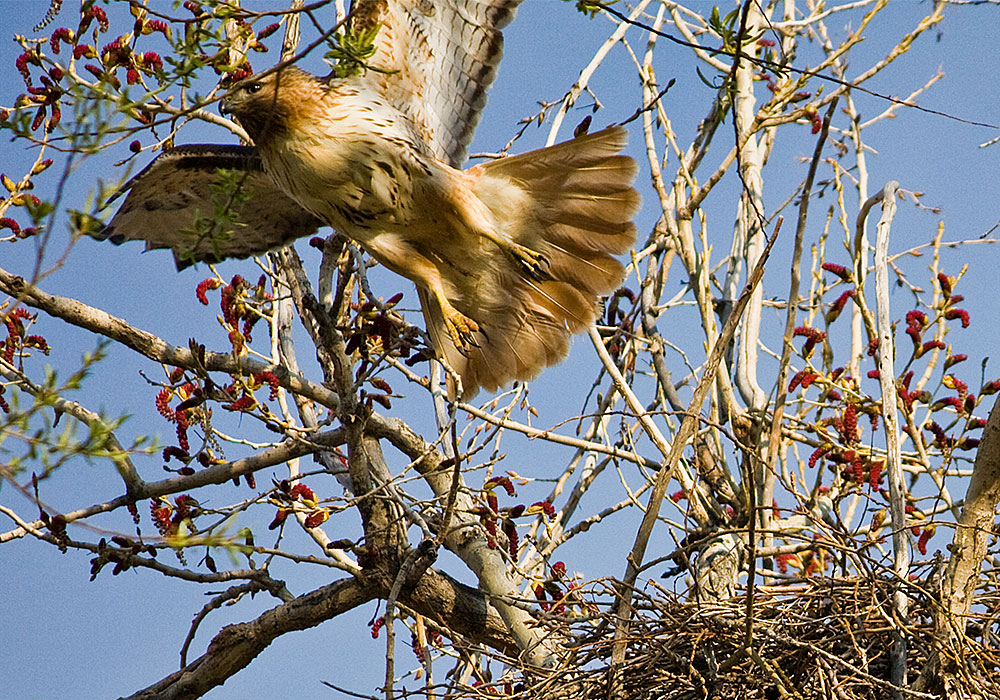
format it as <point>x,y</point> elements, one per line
<point>267,106</point>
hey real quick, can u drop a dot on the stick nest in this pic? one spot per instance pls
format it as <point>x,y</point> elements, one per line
<point>814,638</point>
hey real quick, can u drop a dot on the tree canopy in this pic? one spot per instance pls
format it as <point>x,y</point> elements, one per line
<point>769,469</point>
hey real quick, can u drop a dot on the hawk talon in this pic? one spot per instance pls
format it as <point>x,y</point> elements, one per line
<point>535,264</point>
<point>461,329</point>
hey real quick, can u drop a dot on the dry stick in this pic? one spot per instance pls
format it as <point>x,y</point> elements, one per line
<point>115,452</point>
<point>697,508</point>
<point>970,545</point>
<point>897,489</point>
<point>667,469</point>
<point>774,65</point>
<point>774,439</point>
<point>152,346</point>
<point>581,82</point>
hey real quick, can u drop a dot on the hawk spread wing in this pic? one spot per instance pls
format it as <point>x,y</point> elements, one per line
<point>207,203</point>
<point>509,257</point>
<point>438,58</point>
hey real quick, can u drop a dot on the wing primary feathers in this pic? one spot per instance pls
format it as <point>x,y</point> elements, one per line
<point>184,201</point>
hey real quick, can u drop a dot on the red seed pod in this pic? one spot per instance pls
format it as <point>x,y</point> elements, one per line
<point>163,405</point>
<point>818,454</point>
<point>930,345</point>
<point>678,496</point>
<point>268,31</point>
<point>839,270</point>
<point>102,19</point>
<point>875,474</point>
<point>39,118</point>
<point>153,60</point>
<point>782,561</point>
<point>303,491</point>
<point>204,286</point>
<point>510,529</point>
<point>916,318</point>
<point>539,591</point>
<point>968,443</point>
<point>317,518</point>
<point>812,336</point>
<point>906,379</point>
<point>947,283</point>
<point>547,508</point>
<point>182,435</point>
<point>279,519</point>
<point>968,406</point>
<point>503,481</point>
<point>838,306</point>
<point>382,385</point>
<point>850,424</point>
<point>61,34</point>
<point>8,223</point>
<point>962,314</point>
<point>271,379</point>
<point>925,537</point>
<point>795,380</point>
<point>953,360</point>
<point>237,339</point>
<point>37,342</point>
<point>941,440</point>
<point>858,466</point>
<point>156,25</point>
<point>175,452</point>
<point>244,403</point>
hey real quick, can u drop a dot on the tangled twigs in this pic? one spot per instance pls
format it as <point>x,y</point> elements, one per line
<point>809,636</point>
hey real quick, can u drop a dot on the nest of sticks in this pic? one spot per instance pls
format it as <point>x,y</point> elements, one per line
<point>815,638</point>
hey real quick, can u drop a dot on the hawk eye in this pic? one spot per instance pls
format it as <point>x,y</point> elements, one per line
<point>253,88</point>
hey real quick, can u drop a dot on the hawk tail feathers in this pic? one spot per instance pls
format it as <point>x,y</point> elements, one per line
<point>574,204</point>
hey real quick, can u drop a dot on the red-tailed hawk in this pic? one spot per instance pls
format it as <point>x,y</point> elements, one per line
<point>508,256</point>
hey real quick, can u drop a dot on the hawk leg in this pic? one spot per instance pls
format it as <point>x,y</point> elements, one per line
<point>461,329</point>
<point>405,260</point>
<point>535,264</point>
<point>474,216</point>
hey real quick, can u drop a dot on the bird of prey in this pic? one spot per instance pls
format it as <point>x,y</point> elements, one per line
<point>509,256</point>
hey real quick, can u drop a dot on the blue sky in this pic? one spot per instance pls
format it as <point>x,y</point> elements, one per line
<point>66,637</point>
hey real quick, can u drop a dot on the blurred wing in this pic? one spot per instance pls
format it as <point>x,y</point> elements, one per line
<point>441,57</point>
<point>206,203</point>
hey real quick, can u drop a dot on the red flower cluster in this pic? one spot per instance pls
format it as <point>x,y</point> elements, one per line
<point>812,336</point>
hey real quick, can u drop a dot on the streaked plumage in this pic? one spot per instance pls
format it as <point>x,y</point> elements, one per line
<point>509,256</point>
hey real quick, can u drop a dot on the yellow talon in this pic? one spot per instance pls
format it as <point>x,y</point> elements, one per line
<point>461,328</point>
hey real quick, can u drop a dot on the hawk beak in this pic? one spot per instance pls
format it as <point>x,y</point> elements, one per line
<point>225,109</point>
